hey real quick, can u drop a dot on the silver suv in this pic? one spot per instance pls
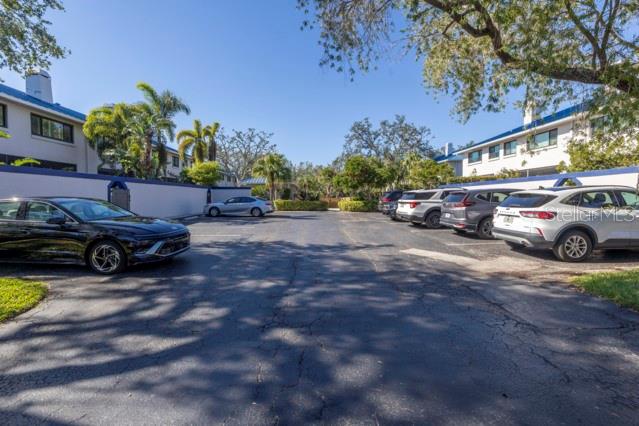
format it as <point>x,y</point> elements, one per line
<point>422,207</point>
<point>570,221</point>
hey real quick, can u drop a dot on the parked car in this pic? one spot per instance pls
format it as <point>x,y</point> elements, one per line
<point>255,206</point>
<point>422,207</point>
<point>472,210</point>
<point>570,221</point>
<point>99,234</point>
<point>388,202</point>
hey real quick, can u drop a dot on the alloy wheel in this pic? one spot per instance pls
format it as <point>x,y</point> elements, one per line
<point>105,258</point>
<point>576,246</point>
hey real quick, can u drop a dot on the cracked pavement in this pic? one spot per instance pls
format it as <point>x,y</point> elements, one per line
<point>323,318</point>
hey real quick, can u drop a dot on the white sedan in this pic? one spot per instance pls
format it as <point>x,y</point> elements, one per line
<point>254,206</point>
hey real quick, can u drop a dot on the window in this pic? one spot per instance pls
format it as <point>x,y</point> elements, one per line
<point>527,200</point>
<point>47,128</point>
<point>629,199</point>
<point>417,195</point>
<point>483,196</point>
<point>474,157</point>
<point>233,201</point>
<point>90,210</point>
<point>599,124</point>
<point>498,197</point>
<point>3,115</point>
<point>544,140</point>
<point>41,212</point>
<point>9,210</point>
<point>176,161</point>
<point>510,148</point>
<point>597,200</point>
<point>456,197</point>
<point>493,152</point>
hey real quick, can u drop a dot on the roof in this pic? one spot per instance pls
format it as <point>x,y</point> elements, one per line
<point>254,181</point>
<point>56,108</point>
<point>449,157</point>
<point>551,118</point>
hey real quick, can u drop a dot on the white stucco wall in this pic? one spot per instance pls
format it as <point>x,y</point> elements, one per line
<point>546,157</point>
<point>23,144</point>
<point>148,199</point>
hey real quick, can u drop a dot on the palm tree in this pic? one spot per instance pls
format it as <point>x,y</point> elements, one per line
<point>212,132</point>
<point>194,141</point>
<point>274,168</point>
<point>162,108</point>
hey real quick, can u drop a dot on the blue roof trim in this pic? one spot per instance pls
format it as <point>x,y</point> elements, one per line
<point>39,102</point>
<point>254,181</point>
<point>559,115</point>
<point>62,173</point>
<point>449,157</point>
<point>556,177</point>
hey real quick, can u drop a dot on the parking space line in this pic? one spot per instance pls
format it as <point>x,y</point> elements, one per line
<point>216,235</point>
<point>444,257</point>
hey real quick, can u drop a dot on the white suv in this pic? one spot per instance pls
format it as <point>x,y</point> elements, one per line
<point>572,221</point>
<point>423,207</point>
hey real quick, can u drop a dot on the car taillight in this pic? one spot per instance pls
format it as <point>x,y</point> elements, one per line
<point>538,215</point>
<point>463,203</point>
<point>413,204</point>
<point>386,200</point>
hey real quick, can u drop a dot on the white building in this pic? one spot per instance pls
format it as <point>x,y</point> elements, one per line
<point>42,129</point>
<point>52,134</point>
<point>535,148</point>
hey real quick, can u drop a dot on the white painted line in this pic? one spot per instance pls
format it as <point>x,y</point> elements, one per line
<point>444,257</point>
<point>216,235</point>
<point>486,243</point>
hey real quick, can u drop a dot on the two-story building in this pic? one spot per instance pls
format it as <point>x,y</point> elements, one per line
<point>537,147</point>
<point>52,134</point>
<point>42,129</point>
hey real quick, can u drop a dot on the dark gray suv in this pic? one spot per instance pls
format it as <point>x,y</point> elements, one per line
<point>472,210</point>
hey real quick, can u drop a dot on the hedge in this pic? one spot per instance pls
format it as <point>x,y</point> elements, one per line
<point>347,205</point>
<point>298,205</point>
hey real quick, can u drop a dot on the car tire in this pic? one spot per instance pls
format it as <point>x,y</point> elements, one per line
<point>573,246</point>
<point>432,220</point>
<point>256,212</point>
<point>106,258</point>
<point>214,212</point>
<point>485,229</point>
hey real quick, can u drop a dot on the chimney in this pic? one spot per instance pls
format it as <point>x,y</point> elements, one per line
<point>531,112</point>
<point>39,86</point>
<point>448,149</point>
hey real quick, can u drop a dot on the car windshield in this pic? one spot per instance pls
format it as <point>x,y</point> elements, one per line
<point>526,200</point>
<point>90,210</point>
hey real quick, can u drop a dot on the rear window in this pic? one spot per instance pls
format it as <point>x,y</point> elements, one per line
<point>527,200</point>
<point>417,195</point>
<point>455,197</point>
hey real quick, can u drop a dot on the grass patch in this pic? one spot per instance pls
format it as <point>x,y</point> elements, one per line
<point>620,287</point>
<point>18,296</point>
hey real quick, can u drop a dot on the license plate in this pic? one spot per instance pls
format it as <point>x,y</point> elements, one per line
<point>446,214</point>
<point>508,219</point>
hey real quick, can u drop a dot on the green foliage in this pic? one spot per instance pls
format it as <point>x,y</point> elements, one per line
<point>300,205</point>
<point>621,287</point>
<point>28,161</point>
<point>348,205</point>
<point>207,173</point>
<point>363,177</point>
<point>275,169</point>
<point>124,134</point>
<point>18,296</point>
<point>259,191</point>
<point>4,135</point>
<point>602,153</point>
<point>426,174</point>
<point>480,51</point>
<point>25,41</point>
<point>184,176</point>
<point>199,142</point>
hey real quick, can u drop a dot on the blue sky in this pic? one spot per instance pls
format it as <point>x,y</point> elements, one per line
<point>244,63</point>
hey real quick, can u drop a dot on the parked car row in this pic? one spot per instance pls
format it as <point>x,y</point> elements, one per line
<point>570,221</point>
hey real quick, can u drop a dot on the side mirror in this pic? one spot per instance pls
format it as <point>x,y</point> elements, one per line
<point>57,220</point>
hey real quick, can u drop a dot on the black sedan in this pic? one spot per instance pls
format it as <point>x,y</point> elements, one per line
<point>85,231</point>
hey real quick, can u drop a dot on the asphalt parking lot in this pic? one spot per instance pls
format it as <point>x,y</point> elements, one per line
<point>323,318</point>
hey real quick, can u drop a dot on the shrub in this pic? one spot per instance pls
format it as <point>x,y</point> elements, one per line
<point>298,205</point>
<point>206,174</point>
<point>260,191</point>
<point>348,205</point>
